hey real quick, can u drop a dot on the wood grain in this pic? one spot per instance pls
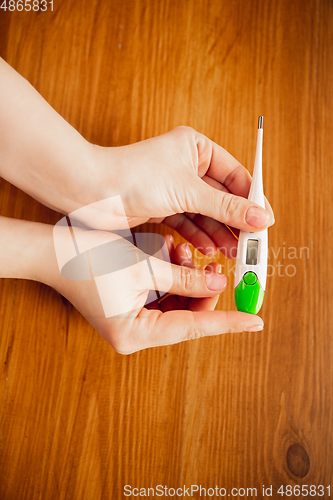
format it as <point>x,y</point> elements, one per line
<point>79,421</point>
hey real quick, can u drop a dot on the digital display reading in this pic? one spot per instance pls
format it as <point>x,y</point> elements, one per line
<point>252,252</point>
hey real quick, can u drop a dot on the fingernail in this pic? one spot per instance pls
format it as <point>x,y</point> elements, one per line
<point>257,217</point>
<point>188,251</point>
<point>254,328</point>
<point>215,281</point>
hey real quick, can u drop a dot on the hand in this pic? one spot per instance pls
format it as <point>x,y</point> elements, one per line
<point>28,252</point>
<point>185,315</point>
<point>181,178</point>
<point>188,182</point>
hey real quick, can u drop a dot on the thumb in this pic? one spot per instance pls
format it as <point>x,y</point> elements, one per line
<point>228,208</point>
<point>186,281</point>
<point>155,328</point>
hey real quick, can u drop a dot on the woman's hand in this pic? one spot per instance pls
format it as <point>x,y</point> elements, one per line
<point>188,182</point>
<point>116,307</point>
<point>28,252</point>
<point>181,177</point>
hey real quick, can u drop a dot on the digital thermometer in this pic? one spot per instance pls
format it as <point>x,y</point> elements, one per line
<point>251,260</point>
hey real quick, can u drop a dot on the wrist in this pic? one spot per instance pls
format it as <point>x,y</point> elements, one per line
<point>26,250</point>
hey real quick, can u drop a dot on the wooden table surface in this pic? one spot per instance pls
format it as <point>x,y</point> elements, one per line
<point>78,420</point>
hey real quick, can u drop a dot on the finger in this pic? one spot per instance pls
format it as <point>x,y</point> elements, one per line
<point>182,257</point>
<point>215,162</point>
<point>192,233</point>
<point>233,210</point>
<point>193,325</point>
<point>170,243</point>
<point>222,237</point>
<point>205,233</point>
<point>153,328</point>
<point>208,303</point>
<point>217,185</point>
<point>181,280</point>
<point>220,165</point>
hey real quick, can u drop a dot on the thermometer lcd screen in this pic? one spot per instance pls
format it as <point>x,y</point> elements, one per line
<point>252,252</point>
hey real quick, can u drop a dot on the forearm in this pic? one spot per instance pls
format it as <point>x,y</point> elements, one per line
<point>39,151</point>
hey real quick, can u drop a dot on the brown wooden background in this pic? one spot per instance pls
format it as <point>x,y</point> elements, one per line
<point>77,420</point>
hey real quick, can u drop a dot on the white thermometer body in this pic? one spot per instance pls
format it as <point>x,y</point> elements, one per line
<point>251,261</point>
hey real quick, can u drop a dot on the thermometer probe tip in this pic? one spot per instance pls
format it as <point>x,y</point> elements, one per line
<point>261,122</point>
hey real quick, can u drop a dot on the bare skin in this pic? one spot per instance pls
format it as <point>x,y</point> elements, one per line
<point>180,178</point>
<point>27,252</point>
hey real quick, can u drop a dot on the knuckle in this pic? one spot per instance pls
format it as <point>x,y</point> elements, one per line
<point>193,330</point>
<point>229,205</point>
<point>183,129</point>
<point>187,280</point>
<point>193,333</point>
